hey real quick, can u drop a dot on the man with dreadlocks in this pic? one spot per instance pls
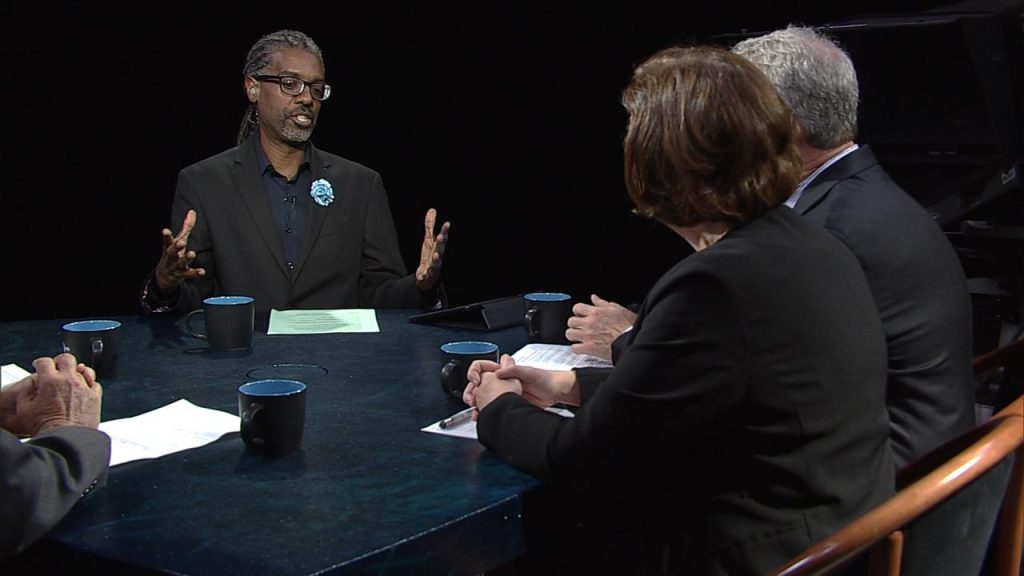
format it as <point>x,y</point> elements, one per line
<point>282,221</point>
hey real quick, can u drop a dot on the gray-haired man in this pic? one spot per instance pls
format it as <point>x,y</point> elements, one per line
<point>916,279</point>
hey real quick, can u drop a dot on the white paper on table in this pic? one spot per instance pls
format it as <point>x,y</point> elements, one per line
<point>322,321</point>
<point>468,429</point>
<point>175,427</point>
<point>465,429</point>
<point>556,357</point>
<point>11,373</point>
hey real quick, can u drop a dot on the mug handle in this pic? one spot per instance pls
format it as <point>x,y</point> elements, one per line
<point>188,324</point>
<point>446,375</point>
<point>249,428</point>
<point>528,320</point>
<point>96,345</point>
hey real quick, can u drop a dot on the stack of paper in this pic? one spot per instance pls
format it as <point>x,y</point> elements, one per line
<point>11,373</point>
<point>322,321</point>
<point>175,427</point>
<point>556,357</point>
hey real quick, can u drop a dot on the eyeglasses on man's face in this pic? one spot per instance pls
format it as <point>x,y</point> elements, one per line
<point>292,86</point>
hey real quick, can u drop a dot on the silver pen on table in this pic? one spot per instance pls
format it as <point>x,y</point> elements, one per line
<point>457,418</point>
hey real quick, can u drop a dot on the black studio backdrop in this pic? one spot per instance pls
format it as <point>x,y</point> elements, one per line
<point>505,118</point>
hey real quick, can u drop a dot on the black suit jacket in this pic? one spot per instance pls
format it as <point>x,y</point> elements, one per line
<point>42,479</point>
<point>921,293</point>
<point>746,420</point>
<point>350,255</point>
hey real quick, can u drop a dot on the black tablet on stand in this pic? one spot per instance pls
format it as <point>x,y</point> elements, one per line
<point>487,315</point>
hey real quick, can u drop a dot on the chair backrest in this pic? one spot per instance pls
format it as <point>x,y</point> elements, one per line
<point>952,538</point>
<point>931,481</point>
<point>1009,359</point>
<point>1010,353</point>
<point>1009,541</point>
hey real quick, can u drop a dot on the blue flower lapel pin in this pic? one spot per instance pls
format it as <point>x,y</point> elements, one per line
<point>322,192</point>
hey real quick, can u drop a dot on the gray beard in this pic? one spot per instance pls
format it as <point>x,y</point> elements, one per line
<point>295,135</point>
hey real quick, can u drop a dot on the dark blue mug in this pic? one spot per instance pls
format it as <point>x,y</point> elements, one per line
<point>229,322</point>
<point>455,360</point>
<point>273,414</point>
<point>547,315</point>
<point>95,343</point>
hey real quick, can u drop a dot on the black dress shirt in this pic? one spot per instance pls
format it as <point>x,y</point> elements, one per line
<point>290,203</point>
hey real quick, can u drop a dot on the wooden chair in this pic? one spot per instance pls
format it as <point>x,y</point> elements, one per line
<point>1009,543</point>
<point>954,469</point>
<point>1007,364</point>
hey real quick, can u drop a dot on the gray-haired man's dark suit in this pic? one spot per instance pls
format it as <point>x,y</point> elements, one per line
<point>921,294</point>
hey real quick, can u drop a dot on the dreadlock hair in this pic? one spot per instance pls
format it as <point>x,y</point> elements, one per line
<point>258,59</point>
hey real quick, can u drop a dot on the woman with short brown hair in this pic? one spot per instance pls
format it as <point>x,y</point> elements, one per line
<point>689,153</point>
<point>746,419</point>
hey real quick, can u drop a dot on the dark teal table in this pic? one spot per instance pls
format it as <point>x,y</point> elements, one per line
<point>369,493</point>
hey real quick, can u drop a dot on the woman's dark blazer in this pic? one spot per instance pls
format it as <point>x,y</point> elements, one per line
<point>745,420</point>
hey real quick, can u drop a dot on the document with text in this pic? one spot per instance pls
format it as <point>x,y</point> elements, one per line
<point>322,321</point>
<point>178,426</point>
<point>11,373</point>
<point>556,357</point>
